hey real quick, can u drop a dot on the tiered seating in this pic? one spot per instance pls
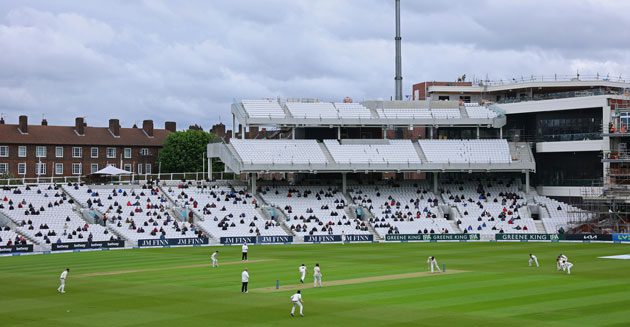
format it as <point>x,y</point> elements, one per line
<point>560,214</point>
<point>466,151</point>
<point>408,113</point>
<point>446,113</point>
<point>476,111</point>
<point>407,209</point>
<point>389,151</point>
<point>312,110</point>
<point>135,213</point>
<point>45,214</point>
<point>263,109</point>
<point>279,151</point>
<point>352,110</point>
<point>314,210</point>
<point>489,207</point>
<point>227,211</point>
<point>9,237</point>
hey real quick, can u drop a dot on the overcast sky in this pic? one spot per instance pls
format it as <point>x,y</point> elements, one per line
<point>187,60</point>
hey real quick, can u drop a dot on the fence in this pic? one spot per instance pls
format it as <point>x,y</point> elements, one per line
<point>195,176</point>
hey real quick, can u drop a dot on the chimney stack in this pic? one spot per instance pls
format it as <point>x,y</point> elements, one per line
<point>44,122</point>
<point>24,124</point>
<point>114,127</point>
<point>79,125</point>
<point>147,126</point>
<point>170,126</point>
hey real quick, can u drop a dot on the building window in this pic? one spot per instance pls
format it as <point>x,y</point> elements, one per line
<point>40,168</point>
<point>22,151</point>
<point>94,152</point>
<point>59,152</point>
<point>4,168</point>
<point>127,153</point>
<point>144,151</point>
<point>22,168</point>
<point>76,168</point>
<point>111,153</point>
<point>40,152</point>
<point>58,169</point>
<point>77,152</point>
<point>139,169</point>
<point>147,169</point>
<point>444,97</point>
<point>4,151</point>
<point>93,168</point>
<point>127,167</point>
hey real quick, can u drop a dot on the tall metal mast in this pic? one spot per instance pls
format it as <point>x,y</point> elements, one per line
<point>398,78</point>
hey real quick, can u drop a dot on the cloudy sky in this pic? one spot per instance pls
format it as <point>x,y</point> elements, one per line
<point>188,60</point>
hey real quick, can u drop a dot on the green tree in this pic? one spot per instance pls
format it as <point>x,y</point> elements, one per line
<point>184,151</point>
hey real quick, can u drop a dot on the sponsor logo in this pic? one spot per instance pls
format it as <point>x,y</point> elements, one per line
<point>274,239</point>
<point>359,238</point>
<point>621,237</point>
<point>322,238</point>
<point>527,237</point>
<point>238,240</point>
<point>87,245</point>
<point>432,237</point>
<point>172,242</point>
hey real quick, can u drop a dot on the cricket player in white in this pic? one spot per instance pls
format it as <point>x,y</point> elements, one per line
<point>62,280</point>
<point>317,276</point>
<point>302,270</point>
<point>567,267</point>
<point>215,261</point>
<point>433,264</point>
<point>297,301</point>
<point>562,259</point>
<point>533,259</point>
<point>244,249</point>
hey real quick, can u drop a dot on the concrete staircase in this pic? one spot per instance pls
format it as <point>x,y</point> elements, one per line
<point>327,154</point>
<point>265,210</point>
<point>367,215</point>
<point>540,227</point>
<point>419,151</point>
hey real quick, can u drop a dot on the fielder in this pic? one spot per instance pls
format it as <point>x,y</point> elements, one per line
<point>533,259</point>
<point>433,264</point>
<point>302,270</point>
<point>560,263</point>
<point>215,261</point>
<point>62,280</point>
<point>567,267</point>
<point>317,276</point>
<point>244,249</point>
<point>297,301</point>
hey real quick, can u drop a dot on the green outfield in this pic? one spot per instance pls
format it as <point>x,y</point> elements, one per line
<point>486,284</point>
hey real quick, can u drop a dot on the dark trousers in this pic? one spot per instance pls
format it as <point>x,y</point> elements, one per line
<point>244,256</point>
<point>244,287</point>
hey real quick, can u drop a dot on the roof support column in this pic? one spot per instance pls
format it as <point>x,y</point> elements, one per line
<point>252,177</point>
<point>527,182</point>
<point>384,133</point>
<point>501,133</point>
<point>293,133</point>
<point>477,132</point>
<point>431,132</point>
<point>344,182</point>
<point>243,131</point>
<point>435,183</point>
<point>210,169</point>
<point>338,132</point>
<point>233,126</point>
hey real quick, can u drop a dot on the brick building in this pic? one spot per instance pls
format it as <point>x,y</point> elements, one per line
<point>55,151</point>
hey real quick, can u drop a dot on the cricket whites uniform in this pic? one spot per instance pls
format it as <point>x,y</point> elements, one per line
<point>302,273</point>
<point>567,267</point>
<point>533,259</point>
<point>433,265</point>
<point>215,262</point>
<point>62,280</point>
<point>296,299</point>
<point>245,281</point>
<point>317,277</point>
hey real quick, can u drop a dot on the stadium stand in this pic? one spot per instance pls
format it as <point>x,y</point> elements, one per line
<point>352,110</point>
<point>46,215</point>
<point>9,237</point>
<point>407,209</point>
<point>135,213</point>
<point>555,214</point>
<point>466,151</point>
<point>226,211</point>
<point>279,151</point>
<point>489,207</point>
<point>474,110</point>
<point>313,210</point>
<point>381,151</point>
<point>312,110</point>
<point>263,108</point>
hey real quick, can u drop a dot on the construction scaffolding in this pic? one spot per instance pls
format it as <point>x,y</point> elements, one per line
<point>602,211</point>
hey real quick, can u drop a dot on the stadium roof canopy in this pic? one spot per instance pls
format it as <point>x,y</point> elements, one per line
<point>333,156</point>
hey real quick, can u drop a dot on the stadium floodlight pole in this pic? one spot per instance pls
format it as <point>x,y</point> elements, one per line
<point>398,78</point>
